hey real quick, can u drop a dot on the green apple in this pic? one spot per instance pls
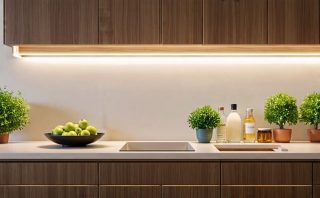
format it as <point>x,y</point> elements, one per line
<point>85,133</point>
<point>83,124</point>
<point>65,134</point>
<point>73,133</point>
<point>69,126</point>
<point>57,131</point>
<point>78,130</point>
<point>92,130</point>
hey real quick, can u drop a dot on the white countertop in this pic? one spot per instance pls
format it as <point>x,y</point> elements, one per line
<point>109,150</point>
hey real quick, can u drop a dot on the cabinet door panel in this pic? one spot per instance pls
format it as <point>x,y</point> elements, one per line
<point>191,191</point>
<point>182,22</point>
<point>39,173</point>
<point>266,173</point>
<point>48,191</point>
<point>235,21</point>
<point>51,22</point>
<point>130,192</point>
<point>129,22</point>
<point>293,21</point>
<point>146,173</point>
<point>266,191</point>
<point>316,191</point>
<point>316,173</point>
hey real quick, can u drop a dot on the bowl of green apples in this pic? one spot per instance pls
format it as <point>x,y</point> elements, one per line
<point>77,135</point>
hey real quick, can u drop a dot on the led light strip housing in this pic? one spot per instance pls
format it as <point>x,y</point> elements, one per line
<point>165,50</point>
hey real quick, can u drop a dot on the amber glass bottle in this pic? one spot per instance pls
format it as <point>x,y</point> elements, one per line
<point>249,133</point>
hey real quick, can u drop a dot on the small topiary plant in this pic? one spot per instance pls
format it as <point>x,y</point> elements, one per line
<point>14,111</point>
<point>204,118</point>
<point>281,109</point>
<point>310,110</point>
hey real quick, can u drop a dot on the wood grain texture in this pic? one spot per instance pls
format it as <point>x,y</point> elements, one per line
<point>235,21</point>
<point>47,173</point>
<point>146,173</point>
<point>266,191</point>
<point>293,22</point>
<point>316,173</point>
<point>191,192</point>
<point>316,191</point>
<point>130,192</point>
<point>182,22</point>
<point>51,22</point>
<point>266,173</point>
<point>129,22</point>
<point>48,192</point>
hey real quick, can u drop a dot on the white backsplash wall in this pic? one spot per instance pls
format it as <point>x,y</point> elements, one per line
<point>140,99</point>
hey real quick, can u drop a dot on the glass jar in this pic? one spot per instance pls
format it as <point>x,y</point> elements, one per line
<point>264,135</point>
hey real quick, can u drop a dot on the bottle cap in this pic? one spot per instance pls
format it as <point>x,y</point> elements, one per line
<point>233,106</point>
<point>250,110</point>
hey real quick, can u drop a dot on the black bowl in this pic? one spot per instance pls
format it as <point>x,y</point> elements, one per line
<point>73,140</point>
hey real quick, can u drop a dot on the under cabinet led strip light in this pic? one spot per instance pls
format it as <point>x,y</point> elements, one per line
<point>164,50</point>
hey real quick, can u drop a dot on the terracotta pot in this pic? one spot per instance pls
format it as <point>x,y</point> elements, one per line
<point>314,135</point>
<point>4,138</point>
<point>282,135</point>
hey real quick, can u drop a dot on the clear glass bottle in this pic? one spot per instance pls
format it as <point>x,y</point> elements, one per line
<point>234,125</point>
<point>249,132</point>
<point>221,129</point>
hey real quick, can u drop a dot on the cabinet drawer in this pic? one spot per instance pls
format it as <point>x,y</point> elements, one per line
<point>48,191</point>
<point>191,191</point>
<point>266,173</point>
<point>130,191</point>
<point>39,173</point>
<point>184,173</point>
<point>266,191</point>
<point>316,173</point>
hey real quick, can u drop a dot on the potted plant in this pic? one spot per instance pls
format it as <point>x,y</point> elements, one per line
<point>204,120</point>
<point>281,109</point>
<point>310,114</point>
<point>13,113</point>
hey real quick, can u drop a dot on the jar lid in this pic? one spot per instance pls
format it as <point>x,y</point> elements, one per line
<point>264,130</point>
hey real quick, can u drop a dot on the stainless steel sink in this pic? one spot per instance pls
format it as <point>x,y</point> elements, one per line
<point>249,147</point>
<point>157,146</point>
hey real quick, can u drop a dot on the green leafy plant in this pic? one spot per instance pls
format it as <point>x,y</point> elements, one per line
<point>14,111</point>
<point>281,109</point>
<point>310,110</point>
<point>204,118</point>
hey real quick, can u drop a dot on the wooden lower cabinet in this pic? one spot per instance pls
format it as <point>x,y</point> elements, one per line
<point>48,173</point>
<point>130,192</point>
<point>316,173</point>
<point>266,191</point>
<point>49,192</point>
<point>190,192</point>
<point>316,191</point>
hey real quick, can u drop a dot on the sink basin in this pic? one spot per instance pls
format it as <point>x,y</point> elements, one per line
<point>249,147</point>
<point>157,146</point>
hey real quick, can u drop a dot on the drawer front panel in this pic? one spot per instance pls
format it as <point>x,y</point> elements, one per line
<point>266,191</point>
<point>191,191</point>
<point>39,173</point>
<point>130,191</point>
<point>266,173</point>
<point>186,173</point>
<point>48,191</point>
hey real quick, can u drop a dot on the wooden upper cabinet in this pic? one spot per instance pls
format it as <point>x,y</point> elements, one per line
<point>293,21</point>
<point>51,22</point>
<point>182,22</point>
<point>235,21</point>
<point>129,22</point>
